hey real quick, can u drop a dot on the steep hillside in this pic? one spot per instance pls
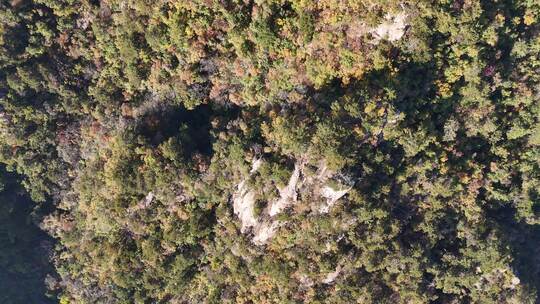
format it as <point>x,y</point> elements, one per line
<point>279,151</point>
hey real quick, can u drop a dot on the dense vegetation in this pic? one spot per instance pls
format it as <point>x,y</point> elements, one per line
<point>278,151</point>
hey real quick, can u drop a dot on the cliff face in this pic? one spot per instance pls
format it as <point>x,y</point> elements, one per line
<point>300,185</point>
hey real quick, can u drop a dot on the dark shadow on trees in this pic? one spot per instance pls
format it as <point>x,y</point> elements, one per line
<point>25,250</point>
<point>192,125</point>
<point>523,240</point>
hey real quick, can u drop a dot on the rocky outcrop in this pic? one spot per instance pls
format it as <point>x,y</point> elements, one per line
<point>332,196</point>
<point>392,29</point>
<point>265,226</point>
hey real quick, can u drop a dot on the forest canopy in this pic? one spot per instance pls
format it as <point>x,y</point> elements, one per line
<point>273,151</point>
